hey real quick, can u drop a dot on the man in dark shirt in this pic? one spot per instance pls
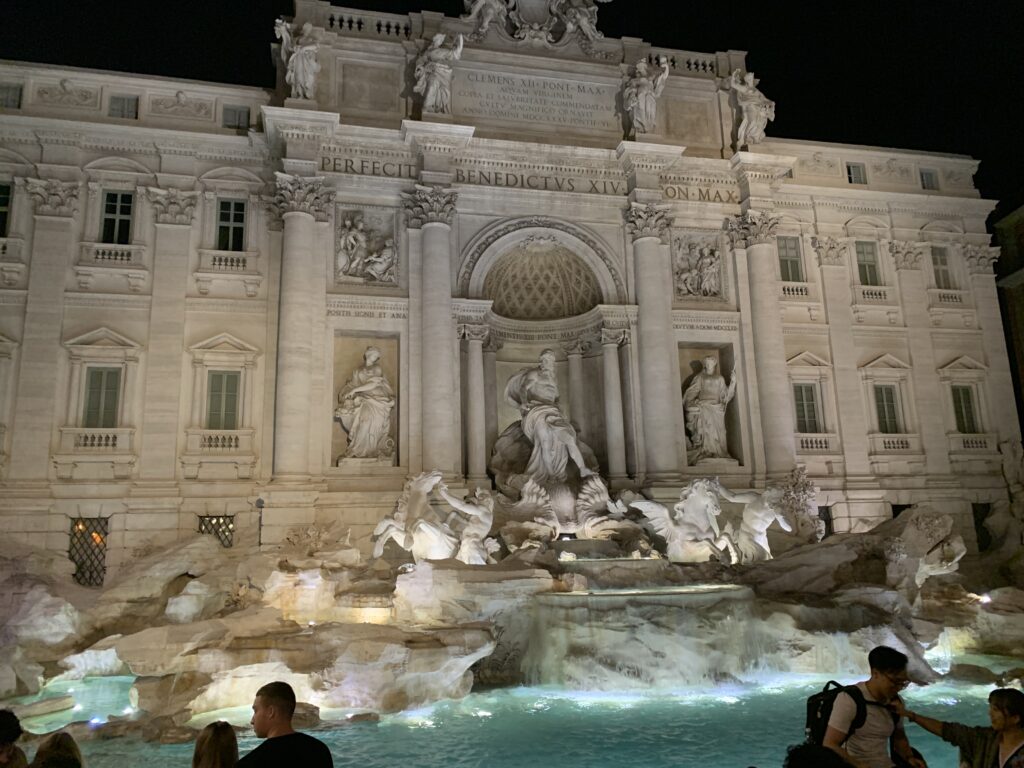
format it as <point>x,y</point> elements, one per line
<point>272,711</point>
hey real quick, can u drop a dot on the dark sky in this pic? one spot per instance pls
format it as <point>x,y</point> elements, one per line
<point>943,75</point>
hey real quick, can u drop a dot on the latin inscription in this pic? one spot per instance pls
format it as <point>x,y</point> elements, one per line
<point>539,100</point>
<point>526,180</point>
<point>363,167</point>
<point>700,194</point>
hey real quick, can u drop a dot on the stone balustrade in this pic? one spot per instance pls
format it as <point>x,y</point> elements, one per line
<point>107,255</point>
<point>972,443</point>
<point>239,266</point>
<point>894,443</point>
<point>219,441</point>
<point>818,444</point>
<point>944,297</point>
<point>83,439</point>
<point>357,23</point>
<point>219,454</point>
<point>874,294</point>
<point>689,63</point>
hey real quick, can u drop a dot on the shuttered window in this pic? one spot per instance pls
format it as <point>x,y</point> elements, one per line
<point>867,263</point>
<point>805,397</point>
<point>790,265</point>
<point>887,408</point>
<point>102,390</point>
<point>963,407</point>
<point>222,399</point>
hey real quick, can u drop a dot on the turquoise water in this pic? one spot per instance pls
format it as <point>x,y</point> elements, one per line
<point>729,727</point>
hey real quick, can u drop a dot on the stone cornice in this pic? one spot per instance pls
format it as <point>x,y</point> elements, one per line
<point>303,194</point>
<point>428,205</point>
<point>648,221</point>
<point>172,206</point>
<point>751,228</point>
<point>53,197</point>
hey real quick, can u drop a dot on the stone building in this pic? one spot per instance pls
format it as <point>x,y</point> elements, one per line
<point>192,274</point>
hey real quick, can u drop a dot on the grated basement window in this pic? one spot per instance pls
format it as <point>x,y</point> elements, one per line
<point>221,526</point>
<point>88,550</point>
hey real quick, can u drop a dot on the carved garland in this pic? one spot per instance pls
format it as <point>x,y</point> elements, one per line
<point>647,221</point>
<point>53,197</point>
<point>172,206</point>
<point>302,194</point>
<point>428,205</point>
<point>907,255</point>
<point>751,228</point>
<point>831,253</point>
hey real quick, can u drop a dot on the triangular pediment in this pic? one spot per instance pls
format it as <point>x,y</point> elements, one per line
<point>963,363</point>
<point>224,342</point>
<point>886,361</point>
<point>100,338</point>
<point>808,359</point>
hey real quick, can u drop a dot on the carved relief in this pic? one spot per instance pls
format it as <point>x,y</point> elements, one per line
<point>957,177</point>
<point>752,228</point>
<point>647,221</point>
<point>67,95</point>
<point>831,253</point>
<point>52,197</point>
<point>305,194</point>
<point>172,206</point>
<point>907,255</point>
<point>426,205</point>
<point>696,269</point>
<point>892,168</point>
<point>819,164</point>
<point>616,336</point>
<point>470,332</point>
<point>179,105</point>
<point>365,249</point>
<point>980,259</point>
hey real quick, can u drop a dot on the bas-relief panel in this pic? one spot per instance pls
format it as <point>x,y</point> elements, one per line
<point>364,409</point>
<point>366,250</point>
<point>374,88</point>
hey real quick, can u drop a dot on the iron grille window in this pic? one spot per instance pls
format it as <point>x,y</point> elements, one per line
<point>940,266</point>
<point>789,260</point>
<point>10,96</point>
<point>221,526</point>
<point>805,397</point>
<point>856,174</point>
<point>888,412</point>
<point>222,399</point>
<point>963,407</point>
<point>867,263</point>
<point>125,107</point>
<point>5,208</point>
<point>88,550</point>
<point>117,217</point>
<point>102,388</point>
<point>236,117</point>
<point>231,225</point>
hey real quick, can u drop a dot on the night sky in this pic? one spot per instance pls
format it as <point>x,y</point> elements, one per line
<point>944,75</point>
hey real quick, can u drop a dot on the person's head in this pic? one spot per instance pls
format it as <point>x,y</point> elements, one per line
<point>888,670</point>
<point>58,751</point>
<point>813,756</point>
<point>10,732</point>
<point>371,355</point>
<point>641,67</point>
<point>1006,709</point>
<point>710,363</point>
<point>272,709</point>
<point>439,39</point>
<point>216,747</point>
<point>547,359</point>
<point>482,498</point>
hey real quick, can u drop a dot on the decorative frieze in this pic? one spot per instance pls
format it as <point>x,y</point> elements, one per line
<point>172,206</point>
<point>65,94</point>
<point>302,194</point>
<point>180,105</point>
<point>53,197</point>
<point>831,252</point>
<point>429,205</point>
<point>696,269</point>
<point>752,228</point>
<point>907,255</point>
<point>647,221</point>
<point>980,259</point>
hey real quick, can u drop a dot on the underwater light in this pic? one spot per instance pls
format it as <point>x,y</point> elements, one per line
<point>985,599</point>
<point>128,711</point>
<point>96,721</point>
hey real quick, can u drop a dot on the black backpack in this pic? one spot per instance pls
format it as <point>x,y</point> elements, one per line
<point>819,710</point>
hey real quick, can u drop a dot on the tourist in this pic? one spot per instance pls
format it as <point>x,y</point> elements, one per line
<point>11,755</point>
<point>1001,746</point>
<point>272,711</point>
<point>868,745</point>
<point>216,747</point>
<point>813,756</point>
<point>58,751</point>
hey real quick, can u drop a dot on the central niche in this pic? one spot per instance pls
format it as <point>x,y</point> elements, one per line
<point>541,279</point>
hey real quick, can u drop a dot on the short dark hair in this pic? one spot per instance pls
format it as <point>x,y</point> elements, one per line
<point>1009,701</point>
<point>813,756</point>
<point>279,694</point>
<point>10,727</point>
<point>886,659</point>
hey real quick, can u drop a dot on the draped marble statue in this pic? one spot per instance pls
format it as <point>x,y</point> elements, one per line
<point>473,518</point>
<point>690,530</point>
<point>760,510</point>
<point>364,409</point>
<point>434,74</point>
<point>754,107</point>
<point>705,401</point>
<point>299,56</point>
<point>640,97</point>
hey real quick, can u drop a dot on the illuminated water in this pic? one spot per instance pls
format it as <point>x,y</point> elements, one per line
<point>729,727</point>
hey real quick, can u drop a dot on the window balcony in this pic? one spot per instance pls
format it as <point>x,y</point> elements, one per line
<point>875,295</point>
<point>896,443</point>
<point>106,259</point>
<point>225,454</point>
<point>232,266</point>
<point>88,453</point>
<point>972,443</point>
<point>948,298</point>
<point>819,444</point>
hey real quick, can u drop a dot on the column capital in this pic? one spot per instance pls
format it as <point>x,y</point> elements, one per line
<point>980,259</point>
<point>751,228</point>
<point>429,204</point>
<point>831,252</point>
<point>53,197</point>
<point>303,194</point>
<point>647,221</point>
<point>470,332</point>
<point>613,336</point>
<point>576,347</point>
<point>906,254</point>
<point>171,205</point>
<point>493,344</point>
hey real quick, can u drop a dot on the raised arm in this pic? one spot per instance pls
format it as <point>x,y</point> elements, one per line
<point>928,723</point>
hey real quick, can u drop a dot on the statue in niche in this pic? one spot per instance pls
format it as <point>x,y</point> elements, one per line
<point>760,510</point>
<point>474,515</point>
<point>705,401</point>
<point>691,530</point>
<point>534,393</point>
<point>698,271</point>
<point>380,266</point>
<point>434,74</point>
<point>364,409</point>
<point>487,12</point>
<point>299,57</point>
<point>755,109</point>
<point>640,97</point>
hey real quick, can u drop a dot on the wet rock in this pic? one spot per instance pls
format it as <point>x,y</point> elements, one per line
<point>972,673</point>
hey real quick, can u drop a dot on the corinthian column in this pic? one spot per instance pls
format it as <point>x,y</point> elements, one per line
<point>431,209</point>
<point>301,202</point>
<point>754,234</point>
<point>614,424</point>
<point>574,351</point>
<point>657,351</point>
<point>476,418</point>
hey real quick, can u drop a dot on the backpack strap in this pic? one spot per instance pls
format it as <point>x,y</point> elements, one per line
<point>862,709</point>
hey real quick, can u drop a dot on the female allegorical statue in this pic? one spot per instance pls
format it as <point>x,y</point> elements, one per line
<point>364,410</point>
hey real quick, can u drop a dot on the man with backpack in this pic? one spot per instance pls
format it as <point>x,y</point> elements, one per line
<point>861,726</point>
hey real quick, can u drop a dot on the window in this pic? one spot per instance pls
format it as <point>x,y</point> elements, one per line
<point>929,179</point>
<point>125,107</point>
<point>887,409</point>
<point>856,174</point>
<point>236,117</point>
<point>805,397</point>
<point>867,263</point>
<point>221,526</point>
<point>940,266</point>
<point>5,208</point>
<point>231,225</point>
<point>790,264</point>
<point>222,399</point>
<point>117,218</point>
<point>10,96</point>
<point>102,390</point>
<point>963,409</point>
<point>87,549</point>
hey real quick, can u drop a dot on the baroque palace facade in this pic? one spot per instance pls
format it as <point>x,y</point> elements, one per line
<point>223,307</point>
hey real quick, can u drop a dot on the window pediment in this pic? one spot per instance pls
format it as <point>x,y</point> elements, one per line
<point>807,360</point>
<point>13,162</point>
<point>103,344</point>
<point>963,368</point>
<point>886,362</point>
<point>225,348</point>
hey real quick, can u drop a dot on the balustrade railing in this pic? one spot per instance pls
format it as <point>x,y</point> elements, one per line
<point>895,443</point>
<point>823,443</point>
<point>346,21</point>
<point>96,440</point>
<point>972,443</point>
<point>107,255</point>
<point>219,441</point>
<point>795,291</point>
<point>874,294</point>
<point>687,62</point>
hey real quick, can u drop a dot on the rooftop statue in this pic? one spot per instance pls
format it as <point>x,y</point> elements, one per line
<point>578,16</point>
<point>640,97</point>
<point>434,74</point>
<point>487,12</point>
<point>299,57</point>
<point>754,107</point>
